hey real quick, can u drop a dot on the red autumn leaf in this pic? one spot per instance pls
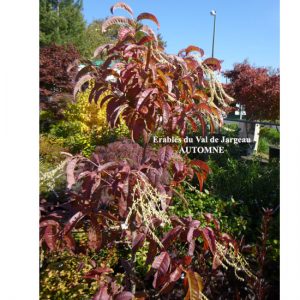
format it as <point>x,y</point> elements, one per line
<point>121,5</point>
<point>200,177</point>
<point>148,16</point>
<point>187,260</point>
<point>209,239</point>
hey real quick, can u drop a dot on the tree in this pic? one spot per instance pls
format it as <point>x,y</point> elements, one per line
<point>54,75</point>
<point>123,192</point>
<point>61,22</point>
<point>93,37</point>
<point>257,88</point>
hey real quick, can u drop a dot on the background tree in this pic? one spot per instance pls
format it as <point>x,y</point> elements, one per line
<point>55,82</point>
<point>54,76</point>
<point>61,22</point>
<point>93,38</point>
<point>257,88</point>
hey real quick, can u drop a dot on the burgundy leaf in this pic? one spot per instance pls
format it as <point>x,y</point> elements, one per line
<point>72,222</point>
<point>166,112</point>
<point>84,71</point>
<point>145,39</point>
<point>191,248</point>
<point>145,95</point>
<point>210,218</point>
<point>138,241</point>
<point>194,48</point>
<point>171,236</point>
<point>162,262</point>
<point>152,250</point>
<point>49,223</point>
<point>216,262</point>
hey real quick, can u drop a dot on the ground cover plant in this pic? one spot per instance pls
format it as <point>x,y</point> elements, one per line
<point>112,232</point>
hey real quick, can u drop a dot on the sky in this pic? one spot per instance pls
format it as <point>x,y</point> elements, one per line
<point>245,29</point>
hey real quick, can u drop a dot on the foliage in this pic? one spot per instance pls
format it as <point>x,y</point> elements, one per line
<point>262,250</point>
<point>247,180</point>
<point>52,177</point>
<point>63,274</point>
<point>250,183</point>
<point>61,23</point>
<point>93,37</point>
<point>84,126</point>
<point>51,148</point>
<point>263,145</point>
<point>257,89</point>
<point>54,75</point>
<point>150,88</point>
<point>271,134</point>
<point>267,137</point>
<point>103,207</point>
<point>227,212</point>
<point>121,196</point>
<point>52,110</point>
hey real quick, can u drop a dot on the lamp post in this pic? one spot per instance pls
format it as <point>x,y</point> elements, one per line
<point>214,14</point>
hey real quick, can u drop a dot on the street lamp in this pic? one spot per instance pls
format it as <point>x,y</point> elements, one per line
<point>214,14</point>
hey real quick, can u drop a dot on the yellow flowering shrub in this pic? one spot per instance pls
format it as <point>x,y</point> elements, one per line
<point>84,126</point>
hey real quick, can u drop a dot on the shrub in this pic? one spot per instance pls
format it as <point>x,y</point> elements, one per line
<point>263,145</point>
<point>267,137</point>
<point>252,184</point>
<point>271,134</point>
<point>84,126</point>
<point>228,212</point>
<point>62,274</point>
<point>51,148</point>
<point>54,75</point>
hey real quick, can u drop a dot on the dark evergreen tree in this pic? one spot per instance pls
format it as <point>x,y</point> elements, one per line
<point>61,22</point>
